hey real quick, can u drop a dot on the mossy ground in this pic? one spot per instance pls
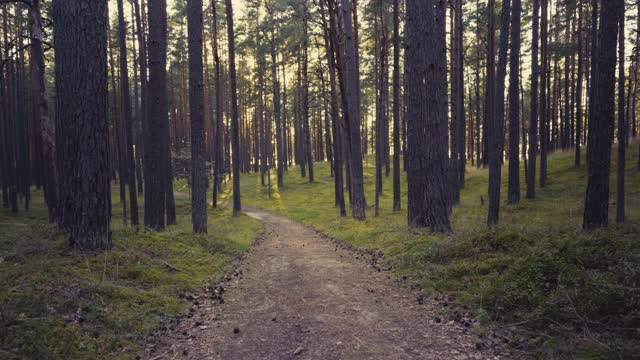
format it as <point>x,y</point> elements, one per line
<point>561,292</point>
<point>59,304</point>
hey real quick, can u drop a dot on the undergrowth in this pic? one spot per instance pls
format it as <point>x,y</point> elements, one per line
<point>59,304</point>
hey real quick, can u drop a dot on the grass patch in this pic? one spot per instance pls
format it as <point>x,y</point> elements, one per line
<point>60,304</point>
<point>560,292</point>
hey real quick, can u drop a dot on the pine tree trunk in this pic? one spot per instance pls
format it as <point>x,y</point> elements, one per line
<point>533,120</point>
<point>80,39</point>
<point>127,121</point>
<point>454,155</point>
<point>427,116</point>
<point>308,154</point>
<point>352,110</point>
<point>596,211</point>
<point>396,106</point>
<point>235,139</point>
<point>137,103</point>
<point>494,119</point>
<point>47,129</point>
<point>622,122</point>
<point>276,104</point>
<point>155,168</point>
<point>579,115</point>
<point>544,94</point>
<point>330,46</point>
<point>116,106</point>
<point>462,161</point>
<point>196,110</point>
<point>514,105</point>
<point>594,69</point>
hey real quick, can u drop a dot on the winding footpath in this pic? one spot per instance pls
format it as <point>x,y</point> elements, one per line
<point>300,295</point>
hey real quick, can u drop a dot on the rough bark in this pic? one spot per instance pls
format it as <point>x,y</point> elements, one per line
<point>427,122</point>
<point>80,39</point>
<point>596,210</point>
<point>155,167</point>
<point>196,110</point>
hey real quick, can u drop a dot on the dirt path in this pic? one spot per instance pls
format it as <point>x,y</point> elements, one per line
<point>298,295</point>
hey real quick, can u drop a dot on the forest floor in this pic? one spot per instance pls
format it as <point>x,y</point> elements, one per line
<point>536,281</point>
<point>301,295</point>
<point>56,303</point>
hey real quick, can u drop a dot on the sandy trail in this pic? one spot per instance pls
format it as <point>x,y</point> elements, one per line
<point>298,295</point>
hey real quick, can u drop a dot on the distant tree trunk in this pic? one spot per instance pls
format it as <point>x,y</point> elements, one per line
<point>454,155</point>
<point>330,46</point>
<point>594,69</point>
<point>218,122</point>
<point>462,161</point>
<point>80,39</point>
<point>235,139</point>
<point>117,129</point>
<point>137,135</point>
<point>196,110</point>
<point>9,117</point>
<point>494,119</point>
<point>566,127</point>
<point>308,154</point>
<point>285,126</point>
<point>514,105</point>
<point>4,143</point>
<point>533,120</point>
<point>41,106</point>
<point>479,117</point>
<point>596,211</point>
<point>396,105</point>
<point>622,122</point>
<point>524,128</point>
<point>379,69</point>
<point>501,74</point>
<point>579,116</point>
<point>352,123</point>
<point>127,121</point>
<point>155,166</point>
<point>299,137</point>
<point>544,94</point>
<point>636,79</point>
<point>142,59</point>
<point>276,102</point>
<point>327,122</point>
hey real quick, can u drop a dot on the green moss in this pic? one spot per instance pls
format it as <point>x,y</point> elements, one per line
<point>571,293</point>
<point>56,303</point>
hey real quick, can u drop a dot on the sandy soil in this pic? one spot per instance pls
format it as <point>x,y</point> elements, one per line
<point>299,295</point>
